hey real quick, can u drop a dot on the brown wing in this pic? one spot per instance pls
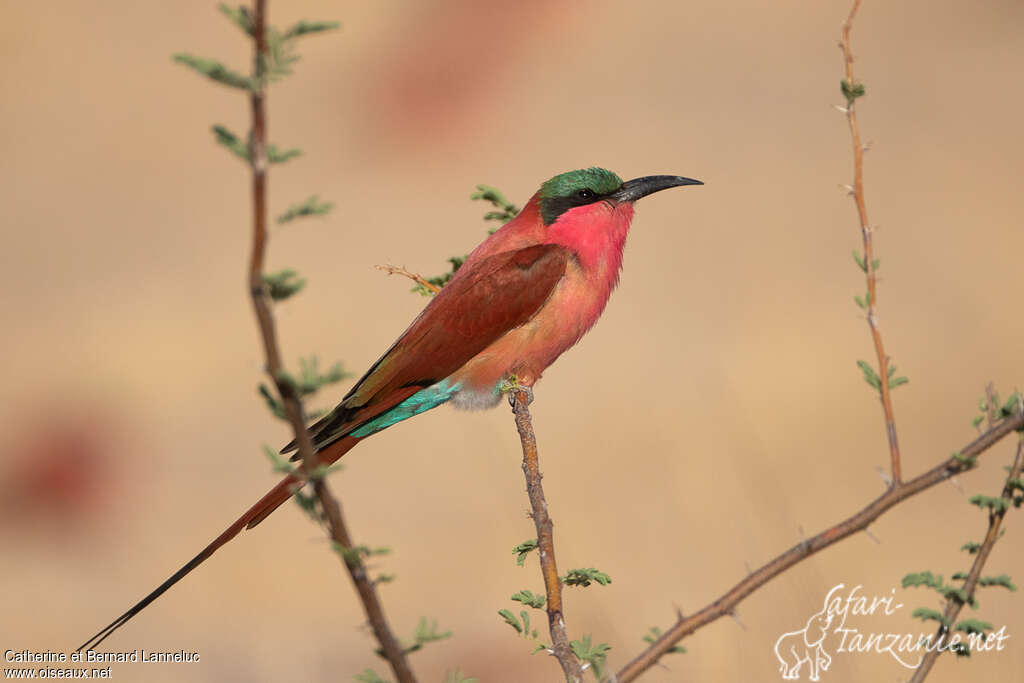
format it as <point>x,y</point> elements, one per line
<point>483,301</point>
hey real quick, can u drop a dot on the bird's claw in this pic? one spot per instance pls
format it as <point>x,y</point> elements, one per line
<point>511,386</point>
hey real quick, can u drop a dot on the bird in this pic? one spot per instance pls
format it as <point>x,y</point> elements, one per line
<point>525,295</point>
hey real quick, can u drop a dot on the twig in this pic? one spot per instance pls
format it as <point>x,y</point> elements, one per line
<point>896,494</point>
<point>953,605</point>
<point>869,259</point>
<point>289,397</point>
<point>520,399</point>
<point>415,277</point>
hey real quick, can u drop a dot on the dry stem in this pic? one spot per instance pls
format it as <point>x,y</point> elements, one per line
<point>520,400</point>
<point>415,277</point>
<point>392,649</point>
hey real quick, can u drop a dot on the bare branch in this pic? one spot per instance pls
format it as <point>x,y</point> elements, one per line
<point>520,398</point>
<point>289,396</point>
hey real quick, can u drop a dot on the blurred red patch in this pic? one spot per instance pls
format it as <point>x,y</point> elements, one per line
<point>59,472</point>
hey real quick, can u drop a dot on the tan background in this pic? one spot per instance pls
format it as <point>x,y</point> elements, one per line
<point>713,416</point>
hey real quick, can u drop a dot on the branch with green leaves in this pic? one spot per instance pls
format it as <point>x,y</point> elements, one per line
<point>273,58</point>
<point>956,596</point>
<point>852,90</point>
<point>520,398</point>
<point>592,656</point>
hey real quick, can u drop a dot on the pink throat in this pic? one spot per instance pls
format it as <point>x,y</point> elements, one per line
<point>596,233</point>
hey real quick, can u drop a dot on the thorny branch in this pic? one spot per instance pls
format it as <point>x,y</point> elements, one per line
<point>953,606</point>
<point>520,399</point>
<point>851,88</point>
<point>894,495</point>
<point>289,397</point>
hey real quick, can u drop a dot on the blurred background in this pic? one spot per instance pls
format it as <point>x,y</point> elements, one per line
<point>713,418</point>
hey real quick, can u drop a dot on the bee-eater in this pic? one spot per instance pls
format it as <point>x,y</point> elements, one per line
<point>525,295</point>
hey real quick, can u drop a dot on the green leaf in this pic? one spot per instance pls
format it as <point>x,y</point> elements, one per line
<point>925,578</point>
<point>279,463</point>
<point>1012,406</point>
<point>426,633</point>
<point>530,599</point>
<point>1001,580</point>
<point>860,302</point>
<point>506,209</point>
<point>510,619</point>
<point>967,461</point>
<point>305,28</point>
<point>970,626</point>
<point>369,676</point>
<point>310,207</point>
<point>971,547</point>
<point>937,584</point>
<point>228,139</point>
<point>216,71</point>
<point>276,156</point>
<point>312,380</point>
<point>851,91</point>
<point>283,284</point>
<point>595,655</point>
<point>275,405</point>
<point>870,376</point>
<point>584,577</point>
<point>524,549</point>
<point>239,16</point>
<point>859,260</point>
<point>996,504</point>
<point>897,382</point>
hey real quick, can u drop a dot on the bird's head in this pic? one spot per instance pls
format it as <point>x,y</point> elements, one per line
<point>590,210</point>
<point>566,196</point>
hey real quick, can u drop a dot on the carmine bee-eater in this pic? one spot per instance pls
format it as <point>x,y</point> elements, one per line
<point>525,295</point>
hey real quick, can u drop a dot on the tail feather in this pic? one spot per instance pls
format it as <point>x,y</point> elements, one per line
<point>253,516</point>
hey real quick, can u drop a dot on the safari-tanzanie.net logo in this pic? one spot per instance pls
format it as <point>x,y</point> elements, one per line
<point>832,633</point>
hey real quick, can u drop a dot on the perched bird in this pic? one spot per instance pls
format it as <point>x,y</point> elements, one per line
<point>525,295</point>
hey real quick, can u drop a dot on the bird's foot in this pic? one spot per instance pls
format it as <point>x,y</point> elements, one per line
<point>511,386</point>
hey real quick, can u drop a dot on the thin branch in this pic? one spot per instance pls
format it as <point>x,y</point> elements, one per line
<point>852,92</point>
<point>289,396</point>
<point>896,494</point>
<point>415,277</point>
<point>953,605</point>
<point>520,399</point>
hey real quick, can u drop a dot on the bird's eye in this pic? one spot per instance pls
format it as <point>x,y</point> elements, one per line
<point>585,193</point>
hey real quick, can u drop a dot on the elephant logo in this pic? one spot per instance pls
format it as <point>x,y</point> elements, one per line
<point>797,648</point>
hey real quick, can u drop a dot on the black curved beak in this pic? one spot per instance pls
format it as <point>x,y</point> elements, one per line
<point>633,190</point>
